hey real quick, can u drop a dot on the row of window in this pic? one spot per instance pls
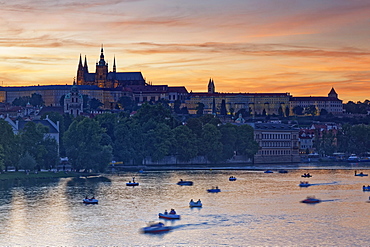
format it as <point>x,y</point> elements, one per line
<point>275,136</point>
<point>275,152</point>
<point>276,144</point>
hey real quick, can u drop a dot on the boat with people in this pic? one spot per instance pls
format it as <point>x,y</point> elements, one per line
<point>361,174</point>
<point>311,199</point>
<point>133,183</point>
<point>156,228</point>
<point>90,200</point>
<point>183,182</point>
<point>195,204</point>
<point>172,215</point>
<point>304,184</point>
<point>268,171</point>
<point>232,178</point>
<point>214,190</point>
<point>306,175</point>
<point>366,188</point>
<point>283,171</point>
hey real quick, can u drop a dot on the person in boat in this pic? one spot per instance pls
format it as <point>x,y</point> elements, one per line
<point>92,198</point>
<point>165,211</point>
<point>191,201</point>
<point>181,180</point>
<point>198,201</point>
<point>172,211</point>
<point>216,187</point>
<point>86,197</point>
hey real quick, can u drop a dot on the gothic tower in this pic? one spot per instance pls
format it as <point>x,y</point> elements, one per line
<point>211,86</point>
<point>80,73</point>
<point>101,71</point>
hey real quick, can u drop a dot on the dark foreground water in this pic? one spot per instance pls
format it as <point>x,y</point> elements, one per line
<point>258,209</point>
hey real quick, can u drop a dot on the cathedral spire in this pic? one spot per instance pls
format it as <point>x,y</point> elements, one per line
<point>114,64</point>
<point>102,62</point>
<point>85,66</point>
<point>80,63</point>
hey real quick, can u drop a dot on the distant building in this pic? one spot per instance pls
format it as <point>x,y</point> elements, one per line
<point>331,104</point>
<point>278,143</point>
<point>255,103</point>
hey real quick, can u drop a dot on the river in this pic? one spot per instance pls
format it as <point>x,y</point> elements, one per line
<point>258,209</point>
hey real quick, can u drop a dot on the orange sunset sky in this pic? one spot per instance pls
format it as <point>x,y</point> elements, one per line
<point>297,46</point>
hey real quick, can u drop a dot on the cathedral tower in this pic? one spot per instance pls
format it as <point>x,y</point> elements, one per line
<point>80,73</point>
<point>101,71</point>
<point>211,86</point>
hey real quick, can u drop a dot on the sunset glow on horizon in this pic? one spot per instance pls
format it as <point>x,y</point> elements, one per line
<point>256,46</point>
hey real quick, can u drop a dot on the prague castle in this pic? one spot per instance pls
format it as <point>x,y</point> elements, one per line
<point>104,79</point>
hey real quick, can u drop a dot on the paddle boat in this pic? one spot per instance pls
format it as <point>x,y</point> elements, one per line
<point>195,204</point>
<point>306,175</point>
<point>182,182</point>
<point>169,216</point>
<point>283,171</point>
<point>232,178</point>
<point>361,174</point>
<point>156,228</point>
<point>311,199</point>
<point>304,184</point>
<point>90,201</point>
<point>132,183</point>
<point>366,188</point>
<point>214,190</point>
<point>268,171</point>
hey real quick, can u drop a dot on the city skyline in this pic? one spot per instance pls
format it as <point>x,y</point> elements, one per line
<point>301,47</point>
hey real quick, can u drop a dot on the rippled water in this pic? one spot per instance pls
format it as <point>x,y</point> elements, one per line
<point>257,209</point>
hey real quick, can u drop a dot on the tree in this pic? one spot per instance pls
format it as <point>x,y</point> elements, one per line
<point>158,141</point>
<point>185,145</point>
<point>231,110</point>
<point>176,106</point>
<point>200,109</point>
<point>95,104</point>
<point>223,110</point>
<point>61,101</point>
<point>228,140</point>
<point>21,101</point>
<point>126,103</point>
<point>10,150</point>
<point>211,145</point>
<point>287,111</point>
<point>280,111</point>
<point>36,100</point>
<point>27,162</point>
<point>298,110</point>
<point>323,112</point>
<point>311,110</point>
<point>83,145</point>
<point>245,143</point>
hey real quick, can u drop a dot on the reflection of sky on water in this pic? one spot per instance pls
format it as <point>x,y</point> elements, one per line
<point>257,209</point>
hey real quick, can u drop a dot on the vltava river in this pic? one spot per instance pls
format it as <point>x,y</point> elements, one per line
<point>259,209</point>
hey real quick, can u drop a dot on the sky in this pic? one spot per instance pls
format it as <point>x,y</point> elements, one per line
<point>251,46</point>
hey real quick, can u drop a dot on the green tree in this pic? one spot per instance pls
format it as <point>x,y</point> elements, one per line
<point>158,141</point>
<point>228,140</point>
<point>36,100</point>
<point>126,103</point>
<point>83,145</point>
<point>27,162</point>
<point>176,106</point>
<point>298,110</point>
<point>195,125</point>
<point>185,145</point>
<point>9,145</point>
<point>287,111</point>
<point>95,104</point>
<point>245,143</point>
<point>211,143</point>
<point>311,110</point>
<point>200,108</point>
<point>223,110</point>
<point>280,111</point>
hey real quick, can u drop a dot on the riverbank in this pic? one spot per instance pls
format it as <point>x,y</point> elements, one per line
<point>41,175</point>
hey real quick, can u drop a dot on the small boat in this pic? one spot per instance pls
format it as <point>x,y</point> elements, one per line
<point>169,216</point>
<point>214,190</point>
<point>132,184</point>
<point>306,175</point>
<point>366,188</point>
<point>195,204</point>
<point>156,228</point>
<point>353,158</point>
<point>182,182</point>
<point>361,174</point>
<point>304,184</point>
<point>90,201</point>
<point>232,178</point>
<point>268,171</point>
<point>283,171</point>
<point>311,199</point>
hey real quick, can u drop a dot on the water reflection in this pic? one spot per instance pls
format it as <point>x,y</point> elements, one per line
<point>256,209</point>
